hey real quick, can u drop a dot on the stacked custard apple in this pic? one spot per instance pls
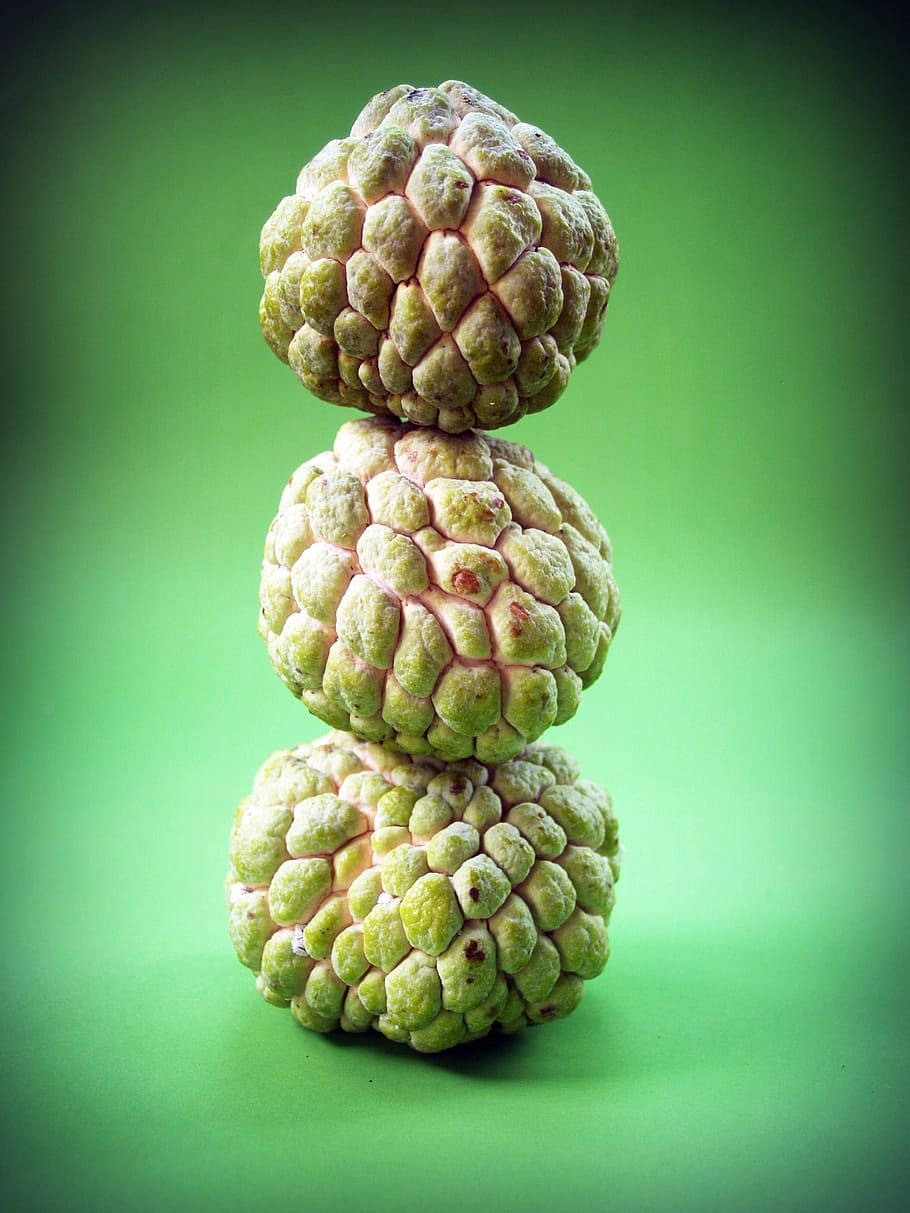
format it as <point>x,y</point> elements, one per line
<point>433,593</point>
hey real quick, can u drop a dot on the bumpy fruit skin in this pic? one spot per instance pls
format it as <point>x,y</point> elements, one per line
<point>432,901</point>
<point>445,593</point>
<point>445,263</point>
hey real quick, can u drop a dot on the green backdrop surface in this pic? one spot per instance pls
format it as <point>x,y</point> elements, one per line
<point>742,433</point>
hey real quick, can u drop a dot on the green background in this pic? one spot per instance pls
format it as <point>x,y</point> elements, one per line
<point>741,431</point>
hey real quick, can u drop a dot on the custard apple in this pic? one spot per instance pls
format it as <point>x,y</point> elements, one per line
<point>430,900</point>
<point>445,263</point>
<point>442,592</point>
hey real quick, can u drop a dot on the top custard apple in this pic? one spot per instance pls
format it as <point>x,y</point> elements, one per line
<point>446,263</point>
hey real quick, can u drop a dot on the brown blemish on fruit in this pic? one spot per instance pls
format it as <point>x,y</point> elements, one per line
<point>474,893</point>
<point>466,582</point>
<point>519,615</point>
<point>548,1011</point>
<point>474,951</point>
<point>485,511</point>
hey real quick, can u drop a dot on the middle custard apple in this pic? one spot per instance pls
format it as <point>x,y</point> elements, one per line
<point>445,593</point>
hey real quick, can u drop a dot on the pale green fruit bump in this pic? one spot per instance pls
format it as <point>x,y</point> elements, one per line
<point>324,991</point>
<point>530,699</point>
<point>582,944</point>
<point>507,848</point>
<point>392,1029</point>
<point>307,1017</point>
<point>397,503</point>
<point>331,918</point>
<point>297,888</point>
<point>336,507</point>
<point>319,578</point>
<point>520,780</point>
<point>364,892</point>
<point>526,632</point>
<point>464,622</point>
<point>413,991</point>
<point>381,162</point>
<point>582,633</point>
<point>386,839</point>
<point>440,187</point>
<point>449,848</point>
<point>333,223</point>
<point>515,933</point>
<point>430,913</point>
<point>481,887</point>
<point>384,938</point>
<point>446,1030</point>
<point>467,969</point>
<point>562,1000</point>
<point>549,894</point>
<point>422,651</point>
<point>349,960</point>
<point>416,777</point>
<point>355,1012</point>
<point>322,824</point>
<point>368,619</point>
<point>483,809</point>
<point>539,563</point>
<point>468,511</point>
<point>468,698</point>
<point>350,861</point>
<point>394,559</point>
<point>250,924</point>
<point>394,807</point>
<point>591,877</point>
<point>285,967</point>
<point>499,743</point>
<point>453,785</point>
<point>268,994</point>
<point>545,835</point>
<point>281,234</point>
<point>362,788</point>
<point>538,977</point>
<point>578,816</point>
<point>512,1008</point>
<point>430,815</point>
<point>257,842</point>
<point>601,798</point>
<point>482,1016</point>
<point>322,294</point>
<point>371,991</point>
<point>402,867</point>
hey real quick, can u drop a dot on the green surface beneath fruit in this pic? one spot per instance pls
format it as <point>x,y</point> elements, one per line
<point>740,431</point>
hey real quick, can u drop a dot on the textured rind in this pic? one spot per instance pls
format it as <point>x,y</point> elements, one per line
<point>445,263</point>
<point>487,914</point>
<point>443,593</point>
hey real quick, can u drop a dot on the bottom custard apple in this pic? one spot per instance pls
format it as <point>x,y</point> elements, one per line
<point>433,901</point>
